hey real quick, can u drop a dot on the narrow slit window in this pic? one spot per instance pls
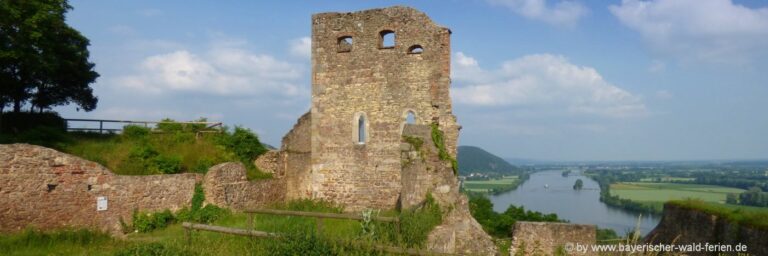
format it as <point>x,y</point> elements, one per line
<point>345,44</point>
<point>361,130</point>
<point>387,39</point>
<point>410,118</point>
<point>415,49</point>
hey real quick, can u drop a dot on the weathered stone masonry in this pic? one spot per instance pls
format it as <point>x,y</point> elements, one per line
<point>47,189</point>
<point>355,76</point>
<point>349,148</point>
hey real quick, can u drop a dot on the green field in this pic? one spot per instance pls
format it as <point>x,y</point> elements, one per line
<point>667,179</point>
<point>486,186</point>
<point>647,192</point>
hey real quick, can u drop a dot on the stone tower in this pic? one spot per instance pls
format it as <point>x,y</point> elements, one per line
<point>370,70</point>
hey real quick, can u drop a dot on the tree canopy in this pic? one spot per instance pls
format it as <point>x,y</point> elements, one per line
<point>43,61</point>
<point>578,185</point>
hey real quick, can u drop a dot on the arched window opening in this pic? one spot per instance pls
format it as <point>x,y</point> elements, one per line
<point>345,44</point>
<point>410,118</point>
<point>361,130</point>
<point>415,49</point>
<point>387,39</point>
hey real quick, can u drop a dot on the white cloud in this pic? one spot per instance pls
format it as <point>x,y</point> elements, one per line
<point>717,31</point>
<point>542,81</point>
<point>561,13</point>
<point>224,69</point>
<point>301,47</point>
<point>664,94</point>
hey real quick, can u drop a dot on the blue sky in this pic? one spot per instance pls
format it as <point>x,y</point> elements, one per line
<point>541,79</point>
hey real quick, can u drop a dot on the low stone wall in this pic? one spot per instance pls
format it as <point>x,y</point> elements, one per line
<point>546,238</point>
<point>47,189</point>
<point>227,185</point>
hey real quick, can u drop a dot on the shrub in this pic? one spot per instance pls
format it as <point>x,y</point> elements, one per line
<point>143,153</point>
<point>415,224</point>
<point>198,197</point>
<point>135,132</point>
<point>166,164</point>
<point>244,144</point>
<point>171,126</point>
<point>145,222</point>
<point>203,165</point>
<point>198,213</point>
<point>500,224</point>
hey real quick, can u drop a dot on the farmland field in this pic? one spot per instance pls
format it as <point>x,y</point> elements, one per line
<point>485,186</point>
<point>662,192</point>
<point>666,179</point>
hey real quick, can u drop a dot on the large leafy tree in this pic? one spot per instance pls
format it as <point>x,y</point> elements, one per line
<point>43,61</point>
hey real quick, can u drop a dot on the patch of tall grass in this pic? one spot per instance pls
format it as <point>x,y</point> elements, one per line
<point>62,242</point>
<point>747,216</point>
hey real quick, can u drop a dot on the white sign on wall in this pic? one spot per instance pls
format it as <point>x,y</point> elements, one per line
<point>101,203</point>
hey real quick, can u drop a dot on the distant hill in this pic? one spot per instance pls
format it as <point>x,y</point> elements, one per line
<point>475,159</point>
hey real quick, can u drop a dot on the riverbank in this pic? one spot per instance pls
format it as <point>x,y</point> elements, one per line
<point>550,192</point>
<point>494,186</point>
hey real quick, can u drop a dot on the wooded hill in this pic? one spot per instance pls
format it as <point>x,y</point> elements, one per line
<point>476,160</point>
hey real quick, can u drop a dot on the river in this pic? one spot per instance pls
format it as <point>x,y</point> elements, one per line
<point>577,206</point>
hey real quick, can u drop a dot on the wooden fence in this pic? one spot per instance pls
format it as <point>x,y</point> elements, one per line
<point>318,215</point>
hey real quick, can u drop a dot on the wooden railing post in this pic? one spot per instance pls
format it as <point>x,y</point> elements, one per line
<point>397,226</point>
<point>101,127</point>
<point>319,227</point>
<point>188,233</point>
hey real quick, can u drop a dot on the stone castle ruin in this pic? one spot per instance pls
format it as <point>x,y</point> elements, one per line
<point>380,134</point>
<point>371,70</point>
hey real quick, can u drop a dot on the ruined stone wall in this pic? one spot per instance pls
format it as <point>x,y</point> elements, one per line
<point>292,162</point>
<point>381,84</point>
<point>296,154</point>
<point>546,238</point>
<point>227,185</point>
<point>683,226</point>
<point>47,189</point>
<point>423,172</point>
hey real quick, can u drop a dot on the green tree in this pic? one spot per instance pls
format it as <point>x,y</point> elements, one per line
<point>732,198</point>
<point>578,185</point>
<point>43,61</point>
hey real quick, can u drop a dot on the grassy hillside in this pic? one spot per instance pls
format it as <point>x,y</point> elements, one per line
<point>169,148</point>
<point>476,160</point>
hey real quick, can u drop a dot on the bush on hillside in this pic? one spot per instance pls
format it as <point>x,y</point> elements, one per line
<point>500,224</point>
<point>244,144</point>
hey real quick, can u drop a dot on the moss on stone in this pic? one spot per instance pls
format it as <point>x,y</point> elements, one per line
<point>439,140</point>
<point>416,142</point>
